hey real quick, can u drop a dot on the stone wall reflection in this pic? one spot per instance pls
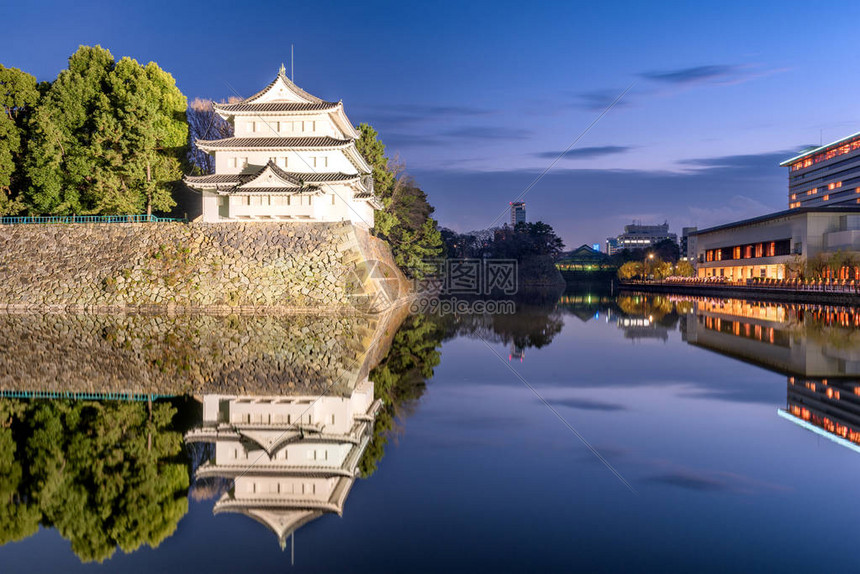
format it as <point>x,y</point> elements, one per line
<point>189,354</point>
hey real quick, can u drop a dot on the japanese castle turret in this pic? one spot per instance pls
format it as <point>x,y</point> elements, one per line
<point>292,158</point>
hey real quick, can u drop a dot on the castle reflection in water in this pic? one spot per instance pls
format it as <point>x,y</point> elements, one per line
<point>284,460</point>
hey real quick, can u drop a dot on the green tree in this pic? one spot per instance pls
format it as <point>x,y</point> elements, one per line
<point>105,475</point>
<point>60,163</point>
<point>684,269</point>
<point>107,138</point>
<point>661,269</point>
<point>795,267</point>
<point>667,250</point>
<point>630,270</point>
<point>405,218</point>
<point>18,96</point>
<point>818,266</point>
<point>142,134</point>
<point>842,260</point>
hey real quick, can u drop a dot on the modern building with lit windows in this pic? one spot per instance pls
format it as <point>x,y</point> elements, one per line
<point>772,245</point>
<point>688,244</point>
<point>638,236</point>
<point>826,175</point>
<point>518,212</point>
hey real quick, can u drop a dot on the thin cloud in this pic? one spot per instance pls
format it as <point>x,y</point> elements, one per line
<point>587,405</point>
<point>487,133</point>
<point>695,75</point>
<point>599,100</point>
<point>445,138</point>
<point>747,161</point>
<point>408,115</point>
<point>585,152</point>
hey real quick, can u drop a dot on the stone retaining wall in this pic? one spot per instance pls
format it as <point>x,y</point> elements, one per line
<point>300,266</point>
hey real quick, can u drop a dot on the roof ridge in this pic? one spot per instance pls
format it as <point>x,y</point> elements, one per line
<point>282,76</point>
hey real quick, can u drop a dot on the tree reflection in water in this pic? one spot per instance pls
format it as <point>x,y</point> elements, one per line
<point>105,475</point>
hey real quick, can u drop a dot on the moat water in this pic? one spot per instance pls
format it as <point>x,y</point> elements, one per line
<point>587,432</point>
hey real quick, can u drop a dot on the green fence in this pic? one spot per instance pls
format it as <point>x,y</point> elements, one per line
<point>85,396</point>
<point>48,219</point>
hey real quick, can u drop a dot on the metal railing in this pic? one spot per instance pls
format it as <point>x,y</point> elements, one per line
<point>85,396</point>
<point>788,285</point>
<point>60,219</point>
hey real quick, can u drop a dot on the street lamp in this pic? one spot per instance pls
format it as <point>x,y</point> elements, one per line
<point>645,265</point>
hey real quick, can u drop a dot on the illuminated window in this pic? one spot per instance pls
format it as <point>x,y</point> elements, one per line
<point>736,252</point>
<point>748,252</point>
<point>834,185</point>
<point>718,254</point>
<point>770,249</point>
<point>794,195</point>
<point>759,249</point>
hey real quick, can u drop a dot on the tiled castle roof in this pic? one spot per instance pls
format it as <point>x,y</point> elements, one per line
<point>274,142</point>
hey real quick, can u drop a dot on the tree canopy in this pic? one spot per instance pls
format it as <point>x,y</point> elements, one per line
<point>405,220</point>
<point>106,137</point>
<point>19,95</point>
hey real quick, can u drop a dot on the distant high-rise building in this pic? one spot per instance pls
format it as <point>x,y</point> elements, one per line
<point>688,243</point>
<point>826,175</point>
<point>518,212</point>
<point>611,245</point>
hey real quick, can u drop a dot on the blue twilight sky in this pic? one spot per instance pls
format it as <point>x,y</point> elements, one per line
<point>478,98</point>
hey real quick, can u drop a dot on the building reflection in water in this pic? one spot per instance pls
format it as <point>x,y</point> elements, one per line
<point>826,407</point>
<point>286,460</point>
<point>809,341</point>
<point>816,347</point>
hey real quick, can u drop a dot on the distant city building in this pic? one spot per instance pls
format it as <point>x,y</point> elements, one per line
<point>773,245</point>
<point>584,258</point>
<point>638,236</point>
<point>825,176</point>
<point>611,245</point>
<point>518,212</point>
<point>688,243</point>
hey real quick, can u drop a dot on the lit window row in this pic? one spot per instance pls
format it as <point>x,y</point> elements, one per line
<point>834,185</point>
<point>749,251</point>
<point>797,204</point>
<point>826,155</point>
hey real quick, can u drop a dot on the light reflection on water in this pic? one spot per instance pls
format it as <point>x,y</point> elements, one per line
<point>737,422</point>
